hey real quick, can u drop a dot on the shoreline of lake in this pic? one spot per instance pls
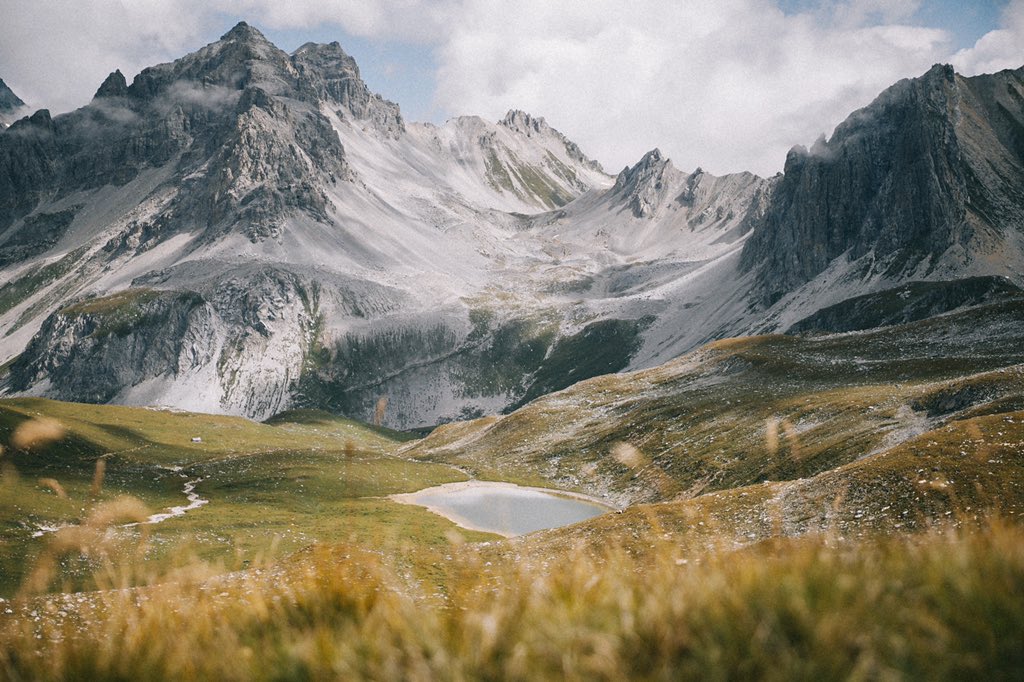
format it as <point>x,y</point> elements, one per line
<point>428,499</point>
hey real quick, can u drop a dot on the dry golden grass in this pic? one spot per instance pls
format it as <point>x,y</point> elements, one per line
<point>940,605</point>
<point>96,538</point>
<point>97,478</point>
<point>54,485</point>
<point>36,433</point>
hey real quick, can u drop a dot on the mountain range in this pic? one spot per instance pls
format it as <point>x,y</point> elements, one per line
<point>245,231</point>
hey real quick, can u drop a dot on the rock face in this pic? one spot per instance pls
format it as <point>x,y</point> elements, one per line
<point>114,85</point>
<point>243,231</point>
<point>10,105</point>
<point>334,76</point>
<point>908,303</point>
<point>644,186</point>
<point>524,124</point>
<point>218,118</point>
<point>95,349</point>
<point>929,175</point>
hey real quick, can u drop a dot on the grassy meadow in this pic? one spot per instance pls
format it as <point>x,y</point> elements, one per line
<point>272,488</point>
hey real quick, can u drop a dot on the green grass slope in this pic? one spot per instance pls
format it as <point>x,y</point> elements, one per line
<point>271,488</point>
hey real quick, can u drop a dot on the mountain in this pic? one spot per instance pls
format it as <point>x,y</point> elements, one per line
<point>11,105</point>
<point>926,183</point>
<point>254,213</point>
<point>245,230</point>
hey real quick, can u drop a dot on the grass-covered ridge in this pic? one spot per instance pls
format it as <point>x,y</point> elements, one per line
<point>743,411</point>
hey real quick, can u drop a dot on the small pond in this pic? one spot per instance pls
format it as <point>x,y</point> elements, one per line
<point>504,508</point>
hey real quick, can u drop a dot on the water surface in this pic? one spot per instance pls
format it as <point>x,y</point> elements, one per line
<point>504,508</point>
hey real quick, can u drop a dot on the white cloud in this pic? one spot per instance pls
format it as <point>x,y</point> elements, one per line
<point>728,86</point>
<point>996,50</point>
<point>55,54</point>
<point>413,20</point>
<point>861,12</point>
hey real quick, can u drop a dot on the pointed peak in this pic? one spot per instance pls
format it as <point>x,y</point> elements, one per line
<point>334,77</point>
<point>522,122</point>
<point>243,31</point>
<point>330,59</point>
<point>943,71</point>
<point>114,85</point>
<point>650,163</point>
<point>333,47</point>
<point>652,157</point>
<point>520,117</point>
<point>645,185</point>
<point>8,100</point>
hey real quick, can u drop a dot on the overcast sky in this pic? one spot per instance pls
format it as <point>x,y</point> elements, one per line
<point>728,85</point>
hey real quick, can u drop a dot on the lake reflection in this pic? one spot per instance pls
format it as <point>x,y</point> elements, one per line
<point>503,508</point>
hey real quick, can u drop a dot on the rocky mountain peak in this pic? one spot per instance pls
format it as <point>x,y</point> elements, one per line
<point>334,76</point>
<point>912,178</point>
<point>11,106</point>
<point>8,100</point>
<point>243,32</point>
<point>115,85</point>
<point>940,72</point>
<point>39,119</point>
<point>527,125</point>
<point>329,57</point>
<point>524,123</point>
<point>242,57</point>
<point>644,187</point>
<point>236,113</point>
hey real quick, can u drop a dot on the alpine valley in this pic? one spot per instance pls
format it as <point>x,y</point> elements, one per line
<point>804,394</point>
<point>243,231</point>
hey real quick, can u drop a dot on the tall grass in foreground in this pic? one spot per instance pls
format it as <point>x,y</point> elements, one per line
<point>938,605</point>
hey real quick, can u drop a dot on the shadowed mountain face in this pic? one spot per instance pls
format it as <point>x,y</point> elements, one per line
<point>9,102</point>
<point>245,230</point>
<point>930,176</point>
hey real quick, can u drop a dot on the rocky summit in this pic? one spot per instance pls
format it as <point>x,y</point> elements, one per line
<point>245,230</point>
<point>10,105</point>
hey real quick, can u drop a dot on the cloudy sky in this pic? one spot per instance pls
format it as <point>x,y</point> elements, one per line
<point>728,85</point>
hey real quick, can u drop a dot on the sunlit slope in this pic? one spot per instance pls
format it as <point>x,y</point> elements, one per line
<point>743,411</point>
<point>960,475</point>
<point>166,436</point>
<point>270,488</point>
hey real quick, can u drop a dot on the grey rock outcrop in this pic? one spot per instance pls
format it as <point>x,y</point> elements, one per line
<point>334,76</point>
<point>646,185</point>
<point>93,350</point>
<point>908,303</point>
<point>236,121</point>
<point>115,85</point>
<point>525,124</point>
